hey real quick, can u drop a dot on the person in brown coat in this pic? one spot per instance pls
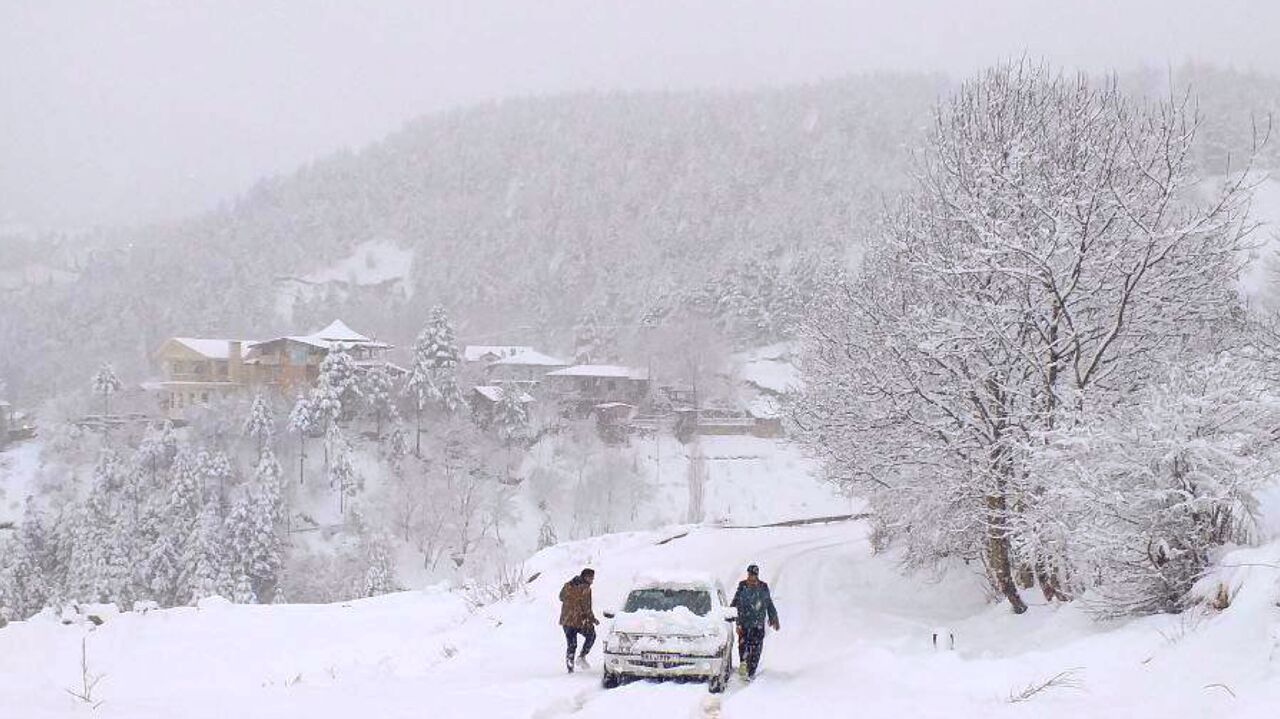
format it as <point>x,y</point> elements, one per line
<point>577,618</point>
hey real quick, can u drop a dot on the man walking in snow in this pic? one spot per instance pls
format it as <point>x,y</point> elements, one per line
<point>577,618</point>
<point>755,607</point>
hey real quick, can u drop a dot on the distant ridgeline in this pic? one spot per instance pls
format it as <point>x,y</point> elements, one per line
<point>524,218</point>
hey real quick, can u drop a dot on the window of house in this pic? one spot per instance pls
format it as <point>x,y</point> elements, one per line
<point>204,398</point>
<point>298,355</point>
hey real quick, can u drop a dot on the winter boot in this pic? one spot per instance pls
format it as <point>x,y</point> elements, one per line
<point>742,671</point>
<point>568,663</point>
<point>583,664</point>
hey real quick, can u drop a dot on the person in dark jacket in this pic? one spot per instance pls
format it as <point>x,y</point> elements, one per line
<point>755,607</point>
<point>576,617</point>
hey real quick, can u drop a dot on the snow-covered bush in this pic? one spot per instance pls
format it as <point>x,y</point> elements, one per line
<point>1160,482</point>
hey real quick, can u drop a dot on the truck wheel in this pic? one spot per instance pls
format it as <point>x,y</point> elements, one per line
<point>610,680</point>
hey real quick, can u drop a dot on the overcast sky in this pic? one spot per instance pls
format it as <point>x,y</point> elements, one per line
<point>120,112</point>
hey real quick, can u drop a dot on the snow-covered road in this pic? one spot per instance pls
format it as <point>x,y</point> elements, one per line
<point>855,641</point>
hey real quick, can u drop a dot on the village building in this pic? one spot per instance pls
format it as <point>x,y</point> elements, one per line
<point>586,386</point>
<point>199,370</point>
<point>485,399</point>
<point>482,355</point>
<point>527,367</point>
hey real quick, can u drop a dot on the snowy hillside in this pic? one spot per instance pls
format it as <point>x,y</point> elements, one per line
<point>856,637</point>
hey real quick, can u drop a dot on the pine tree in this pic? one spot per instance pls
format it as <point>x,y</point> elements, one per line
<point>380,576</point>
<point>593,339</point>
<point>343,477</point>
<point>242,592</point>
<point>376,390</point>
<point>206,569</point>
<point>105,384</point>
<point>336,392</point>
<point>255,528</point>
<point>433,378</point>
<point>261,424</point>
<point>217,472</point>
<point>163,569</point>
<point>338,387</point>
<point>24,585</point>
<point>96,571</point>
<point>512,415</point>
<point>182,509</point>
<point>547,530</point>
<point>302,421</point>
<point>156,452</point>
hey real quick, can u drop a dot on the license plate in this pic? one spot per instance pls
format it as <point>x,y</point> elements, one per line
<point>655,656</point>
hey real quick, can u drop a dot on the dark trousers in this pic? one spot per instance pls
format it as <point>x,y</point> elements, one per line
<point>571,640</point>
<point>750,648</point>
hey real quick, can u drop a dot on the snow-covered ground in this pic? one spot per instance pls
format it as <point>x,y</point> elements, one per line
<point>855,641</point>
<point>19,467</point>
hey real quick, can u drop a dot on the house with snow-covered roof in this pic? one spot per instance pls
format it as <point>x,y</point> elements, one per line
<point>484,354</point>
<point>198,370</point>
<point>527,366</point>
<point>589,385</point>
<point>295,359</point>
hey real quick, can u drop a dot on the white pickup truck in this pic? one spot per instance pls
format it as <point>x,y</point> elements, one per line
<point>674,625</point>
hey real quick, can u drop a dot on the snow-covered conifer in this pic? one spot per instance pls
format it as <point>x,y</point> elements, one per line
<point>433,376</point>
<point>343,476</point>
<point>261,424</point>
<point>206,565</point>
<point>380,576</point>
<point>512,414</point>
<point>302,421</point>
<point>376,393</point>
<point>106,384</point>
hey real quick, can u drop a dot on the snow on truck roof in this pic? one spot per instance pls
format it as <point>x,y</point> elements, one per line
<point>674,579</point>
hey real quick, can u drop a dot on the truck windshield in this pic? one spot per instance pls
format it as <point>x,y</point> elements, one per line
<point>697,601</point>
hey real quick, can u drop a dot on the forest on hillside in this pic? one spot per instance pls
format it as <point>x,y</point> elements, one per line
<point>529,219</point>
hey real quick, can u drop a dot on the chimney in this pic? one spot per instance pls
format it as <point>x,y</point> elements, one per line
<point>235,367</point>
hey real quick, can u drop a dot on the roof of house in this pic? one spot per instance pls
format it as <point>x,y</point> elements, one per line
<point>529,358</point>
<point>475,353</point>
<point>495,394</point>
<point>602,370</point>
<point>338,331</point>
<point>213,348</point>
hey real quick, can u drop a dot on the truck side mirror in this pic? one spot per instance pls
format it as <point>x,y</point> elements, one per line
<point>731,614</point>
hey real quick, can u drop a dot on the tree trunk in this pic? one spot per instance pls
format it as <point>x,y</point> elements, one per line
<point>998,554</point>
<point>417,439</point>
<point>1026,577</point>
<point>1049,583</point>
